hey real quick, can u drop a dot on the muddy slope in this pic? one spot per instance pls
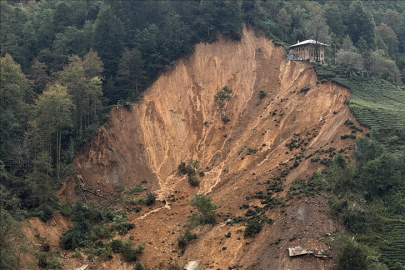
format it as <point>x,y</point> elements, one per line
<point>178,119</point>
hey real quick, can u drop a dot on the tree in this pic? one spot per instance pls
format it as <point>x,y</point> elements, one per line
<point>366,150</point>
<point>393,19</point>
<point>230,18</point>
<point>147,43</point>
<point>349,60</point>
<point>15,95</point>
<point>53,113</point>
<point>284,20</point>
<point>383,68</point>
<point>380,175</point>
<point>351,257</point>
<point>83,81</point>
<point>108,39</point>
<point>206,210</point>
<point>318,30</point>
<point>11,241</point>
<point>70,41</point>
<point>347,44</point>
<point>222,98</point>
<point>39,76</point>
<point>389,38</point>
<point>334,20</point>
<point>39,185</point>
<point>361,24</point>
<point>130,74</point>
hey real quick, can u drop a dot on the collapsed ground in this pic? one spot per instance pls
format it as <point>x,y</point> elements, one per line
<point>283,125</point>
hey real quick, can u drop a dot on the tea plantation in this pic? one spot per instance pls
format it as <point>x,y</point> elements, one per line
<point>377,104</point>
<point>377,222</point>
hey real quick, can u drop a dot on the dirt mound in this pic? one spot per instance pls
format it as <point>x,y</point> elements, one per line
<point>275,104</point>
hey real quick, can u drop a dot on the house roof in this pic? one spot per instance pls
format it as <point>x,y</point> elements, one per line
<point>309,41</point>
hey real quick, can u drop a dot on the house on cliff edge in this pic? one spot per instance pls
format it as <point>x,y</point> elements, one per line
<point>309,50</point>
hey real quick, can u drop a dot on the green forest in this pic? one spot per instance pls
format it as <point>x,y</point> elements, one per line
<point>64,64</point>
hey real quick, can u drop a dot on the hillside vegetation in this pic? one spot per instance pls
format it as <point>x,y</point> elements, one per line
<point>103,100</point>
<point>377,104</point>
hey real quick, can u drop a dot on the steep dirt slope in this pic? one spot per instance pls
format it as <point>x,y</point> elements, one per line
<point>178,119</point>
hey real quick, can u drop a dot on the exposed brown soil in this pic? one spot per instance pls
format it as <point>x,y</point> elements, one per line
<point>177,120</point>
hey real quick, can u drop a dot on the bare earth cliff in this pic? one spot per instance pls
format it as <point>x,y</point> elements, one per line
<point>178,119</point>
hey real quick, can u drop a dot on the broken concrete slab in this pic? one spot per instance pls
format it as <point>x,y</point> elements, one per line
<point>297,251</point>
<point>82,267</point>
<point>191,265</point>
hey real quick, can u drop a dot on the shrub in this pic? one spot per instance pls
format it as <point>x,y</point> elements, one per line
<point>134,189</point>
<point>125,249</point>
<point>222,98</point>
<point>251,151</point>
<point>250,213</point>
<point>42,262</point>
<point>66,210</point>
<point>181,168</point>
<point>45,263</point>
<point>253,227</point>
<point>262,94</point>
<point>381,175</point>
<point>348,122</point>
<point>73,238</point>
<point>92,224</point>
<point>206,210</point>
<point>139,266</point>
<point>184,239</point>
<point>193,180</point>
<point>123,228</point>
<point>351,257</point>
<point>174,266</point>
<point>150,199</point>
<point>304,89</point>
<point>44,213</point>
<point>191,170</point>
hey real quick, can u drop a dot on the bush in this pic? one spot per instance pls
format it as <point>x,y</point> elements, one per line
<point>262,94</point>
<point>250,213</point>
<point>150,199</point>
<point>125,249</point>
<point>253,227</point>
<point>184,239</point>
<point>304,89</point>
<point>193,180</point>
<point>73,238</point>
<point>44,213</point>
<point>381,175</point>
<point>191,170</point>
<point>139,266</point>
<point>123,228</point>
<point>206,210</point>
<point>351,257</point>
<point>348,122</point>
<point>42,262</point>
<point>92,224</point>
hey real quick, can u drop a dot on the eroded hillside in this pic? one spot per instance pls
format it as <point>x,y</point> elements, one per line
<point>269,139</point>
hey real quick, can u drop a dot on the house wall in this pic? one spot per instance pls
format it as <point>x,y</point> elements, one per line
<point>307,52</point>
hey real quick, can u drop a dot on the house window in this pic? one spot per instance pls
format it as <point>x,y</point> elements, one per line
<point>312,54</point>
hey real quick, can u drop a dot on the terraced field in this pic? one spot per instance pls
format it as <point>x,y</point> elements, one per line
<point>376,103</point>
<point>395,250</point>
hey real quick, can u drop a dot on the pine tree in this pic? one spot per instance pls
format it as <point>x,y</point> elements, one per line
<point>53,113</point>
<point>108,39</point>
